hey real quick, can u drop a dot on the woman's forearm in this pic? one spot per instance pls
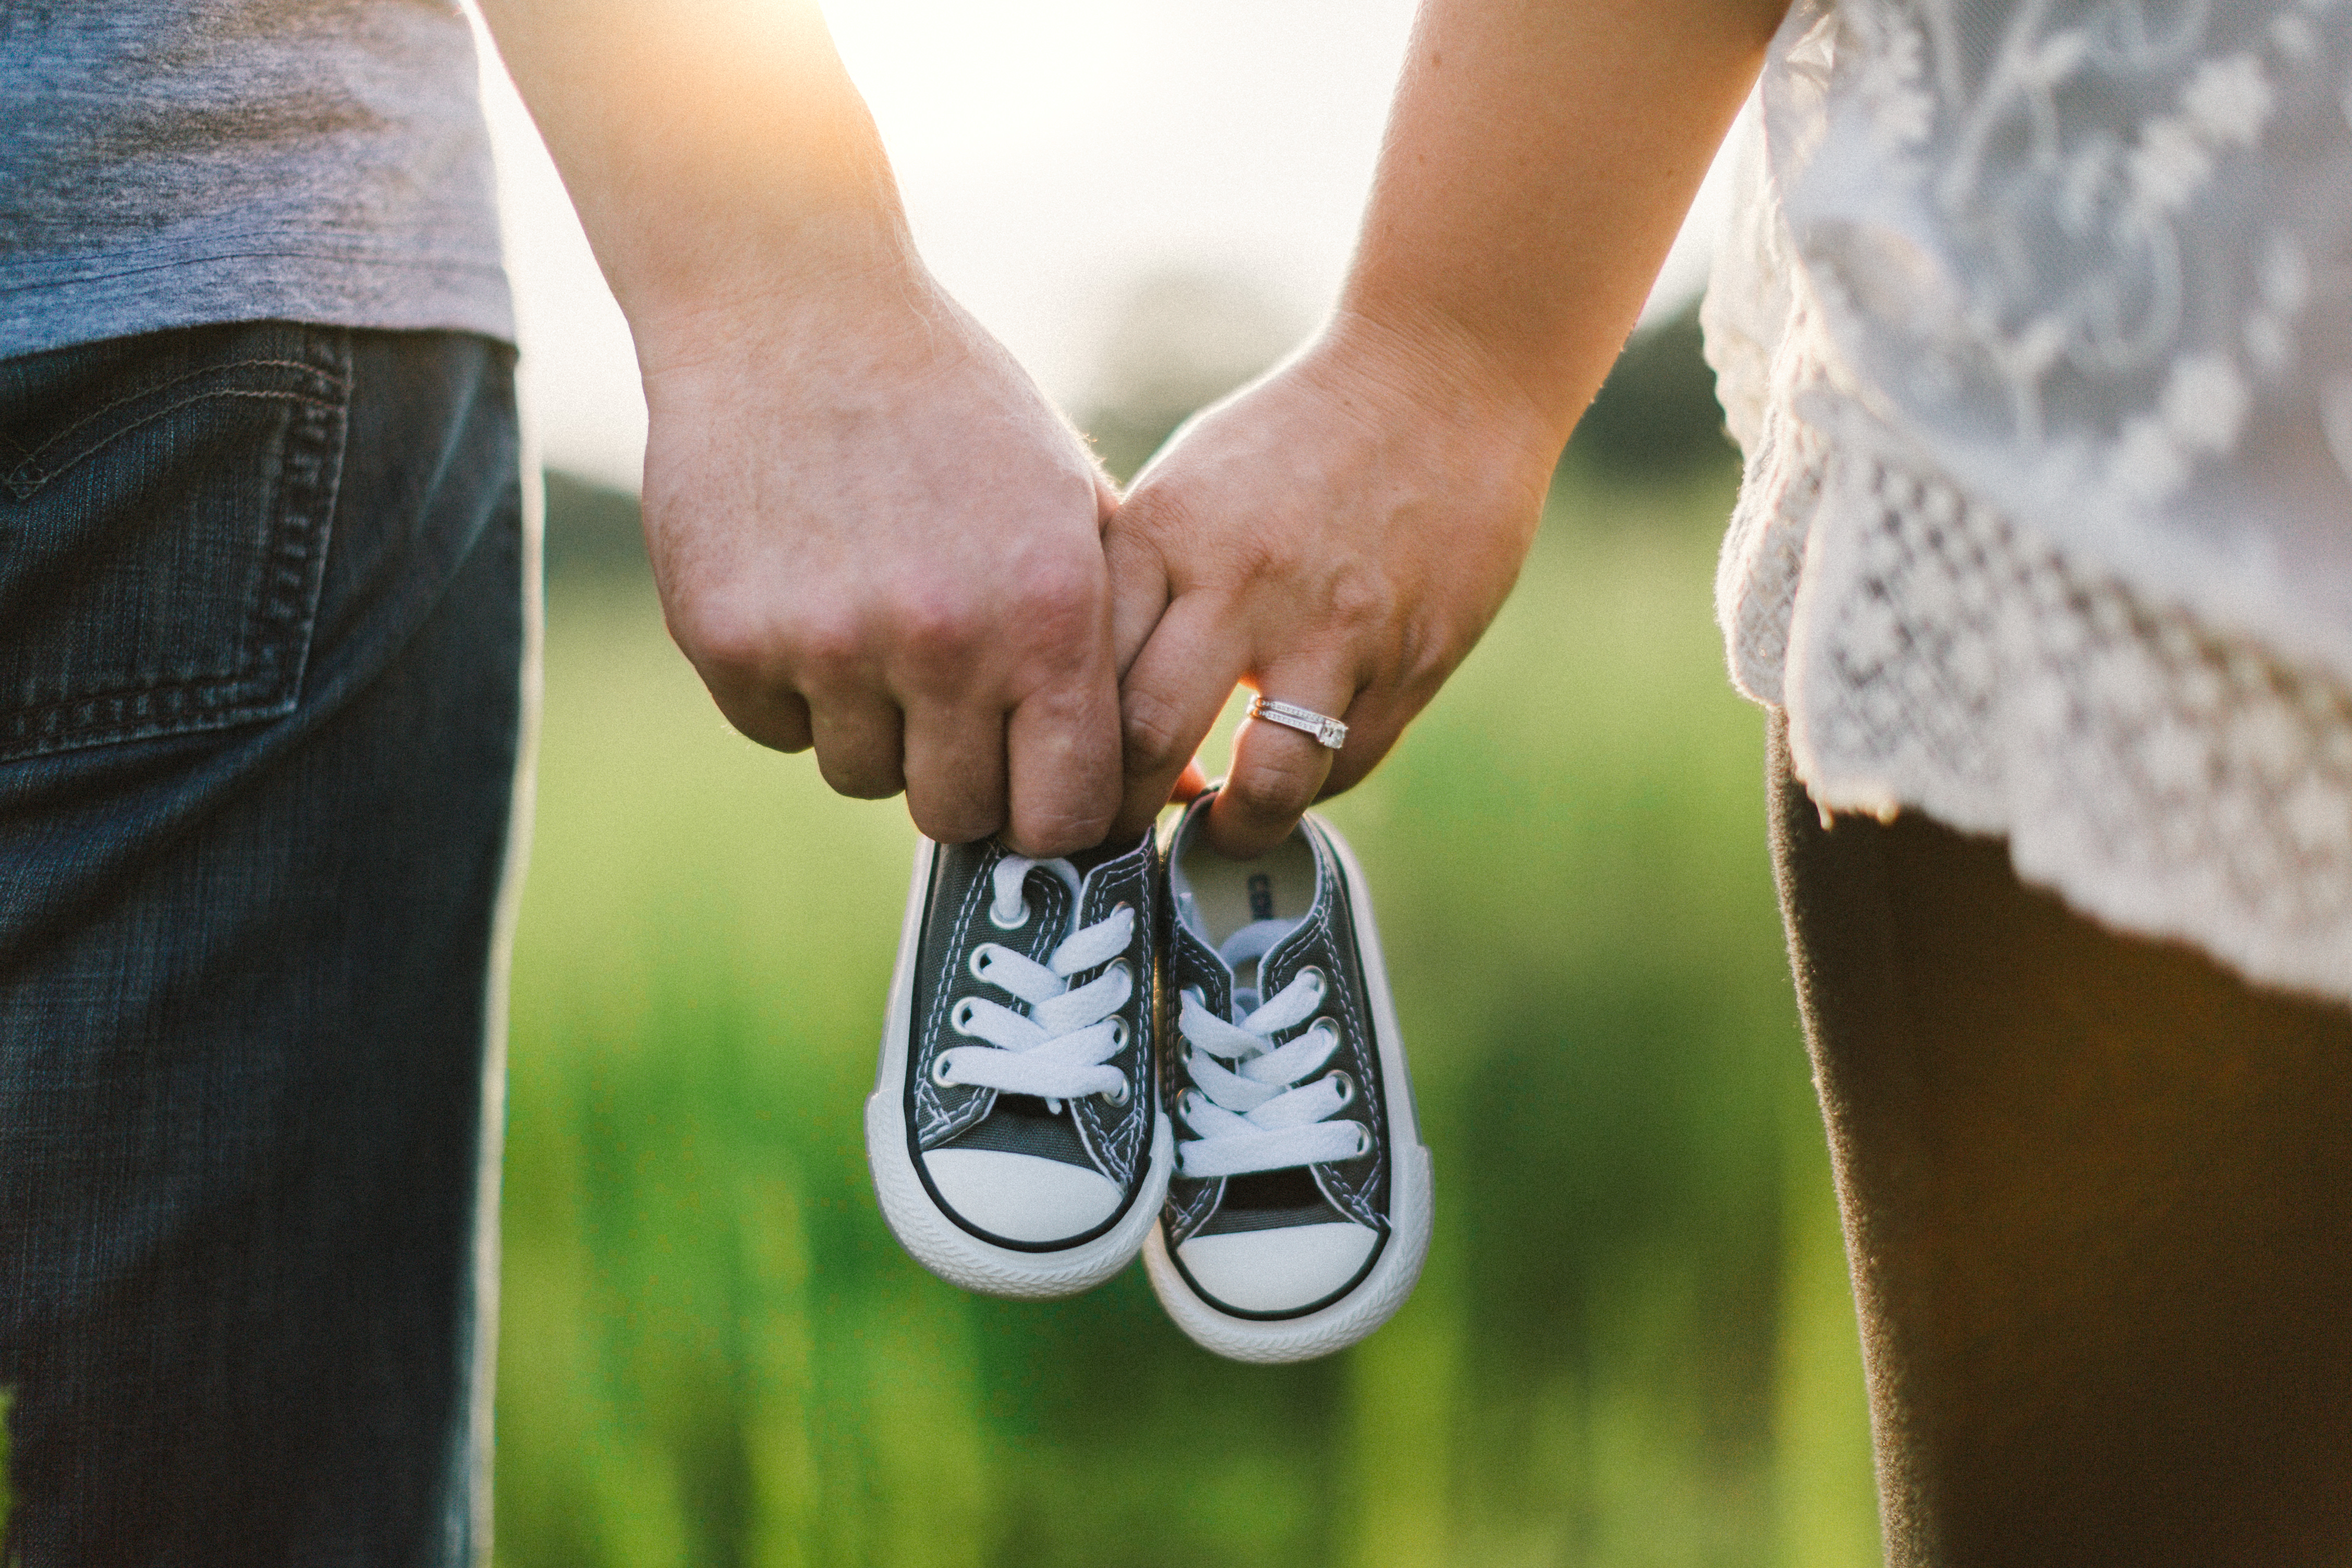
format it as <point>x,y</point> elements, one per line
<point>1538,162</point>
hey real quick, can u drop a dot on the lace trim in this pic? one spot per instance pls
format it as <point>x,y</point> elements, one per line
<point>2040,678</point>
<point>1933,653</point>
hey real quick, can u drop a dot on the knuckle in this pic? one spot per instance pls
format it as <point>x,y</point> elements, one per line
<point>1060,830</point>
<point>1360,598</point>
<point>1063,588</point>
<point>824,646</point>
<point>938,625</point>
<point>727,636</point>
<point>960,821</point>
<point>1153,511</point>
<point>1353,768</point>
<point>752,644</point>
<point>1415,655</point>
<point>781,726</point>
<point>1061,617</point>
<point>1275,786</point>
<point>1261,557</point>
<point>856,778</point>
<point>1153,731</point>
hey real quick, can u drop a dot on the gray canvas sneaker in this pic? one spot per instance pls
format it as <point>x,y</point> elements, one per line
<point>1014,1131</point>
<point>1298,1213</point>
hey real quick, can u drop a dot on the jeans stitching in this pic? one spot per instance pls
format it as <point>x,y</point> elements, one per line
<point>25,488</point>
<point>281,593</point>
<point>103,410</point>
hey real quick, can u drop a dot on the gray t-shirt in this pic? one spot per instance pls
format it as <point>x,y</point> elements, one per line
<point>173,163</point>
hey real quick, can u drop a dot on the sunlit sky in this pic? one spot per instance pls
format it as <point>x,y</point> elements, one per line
<point>1051,154</point>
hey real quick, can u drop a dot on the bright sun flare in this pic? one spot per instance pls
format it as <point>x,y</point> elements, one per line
<point>951,79</point>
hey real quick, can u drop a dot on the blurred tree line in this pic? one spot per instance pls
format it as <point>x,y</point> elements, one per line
<point>1184,340</point>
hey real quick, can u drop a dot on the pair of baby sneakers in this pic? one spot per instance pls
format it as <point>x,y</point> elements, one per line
<point>1174,1054</point>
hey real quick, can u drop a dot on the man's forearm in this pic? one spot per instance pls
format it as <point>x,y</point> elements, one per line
<point>715,148</point>
<point>1539,161</point>
<point>870,532</point>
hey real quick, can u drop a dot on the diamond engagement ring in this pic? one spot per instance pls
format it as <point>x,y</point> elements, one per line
<point>1326,731</point>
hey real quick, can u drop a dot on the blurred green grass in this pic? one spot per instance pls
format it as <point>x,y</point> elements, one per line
<point>1634,1344</point>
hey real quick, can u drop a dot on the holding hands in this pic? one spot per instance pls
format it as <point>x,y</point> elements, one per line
<point>932,584</point>
<point>874,538</point>
<point>1336,537</point>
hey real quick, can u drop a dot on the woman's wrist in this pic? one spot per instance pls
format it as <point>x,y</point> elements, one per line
<point>1417,363</point>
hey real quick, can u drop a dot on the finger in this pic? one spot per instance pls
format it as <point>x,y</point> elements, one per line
<point>1369,741</point>
<point>776,719</point>
<point>1170,699</point>
<point>1376,721</point>
<point>1060,747</point>
<point>955,771</point>
<point>1190,784</point>
<point>1277,770</point>
<point>1138,588</point>
<point>858,746</point>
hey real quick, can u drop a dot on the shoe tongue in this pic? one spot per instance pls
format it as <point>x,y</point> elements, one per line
<point>1253,941</point>
<point>1067,875</point>
<point>1242,952</point>
<point>1076,871</point>
<point>1244,946</point>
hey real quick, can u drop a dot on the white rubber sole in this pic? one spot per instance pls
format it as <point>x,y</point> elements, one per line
<point>1411,1197</point>
<point>929,1235</point>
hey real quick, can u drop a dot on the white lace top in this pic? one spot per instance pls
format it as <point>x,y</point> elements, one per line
<point>2036,328</point>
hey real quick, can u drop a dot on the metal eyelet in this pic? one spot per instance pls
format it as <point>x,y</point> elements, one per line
<point>983,957</point>
<point>940,1072</point>
<point>1322,981</point>
<point>1363,1140</point>
<point>1121,1096</point>
<point>1001,923</point>
<point>1346,1089</point>
<point>961,1019</point>
<point>1118,1034</point>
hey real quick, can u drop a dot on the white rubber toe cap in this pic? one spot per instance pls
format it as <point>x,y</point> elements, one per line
<point>1277,1271</point>
<point>1021,1197</point>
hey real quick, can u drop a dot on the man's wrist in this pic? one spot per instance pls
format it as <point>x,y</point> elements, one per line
<point>830,291</point>
<point>719,155</point>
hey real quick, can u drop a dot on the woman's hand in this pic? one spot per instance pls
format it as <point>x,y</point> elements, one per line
<point>1337,537</point>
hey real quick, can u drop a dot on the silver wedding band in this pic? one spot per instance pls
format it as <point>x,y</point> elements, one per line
<point>1326,731</point>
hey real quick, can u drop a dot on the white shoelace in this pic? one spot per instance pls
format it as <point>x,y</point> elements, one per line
<point>1255,1115</point>
<point>1055,1050</point>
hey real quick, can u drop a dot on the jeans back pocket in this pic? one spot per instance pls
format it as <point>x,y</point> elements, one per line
<point>165,508</point>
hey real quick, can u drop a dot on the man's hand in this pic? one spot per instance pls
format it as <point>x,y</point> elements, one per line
<point>1337,537</point>
<point>873,535</point>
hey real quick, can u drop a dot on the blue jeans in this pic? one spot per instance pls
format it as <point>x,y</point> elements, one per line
<point>261,631</point>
